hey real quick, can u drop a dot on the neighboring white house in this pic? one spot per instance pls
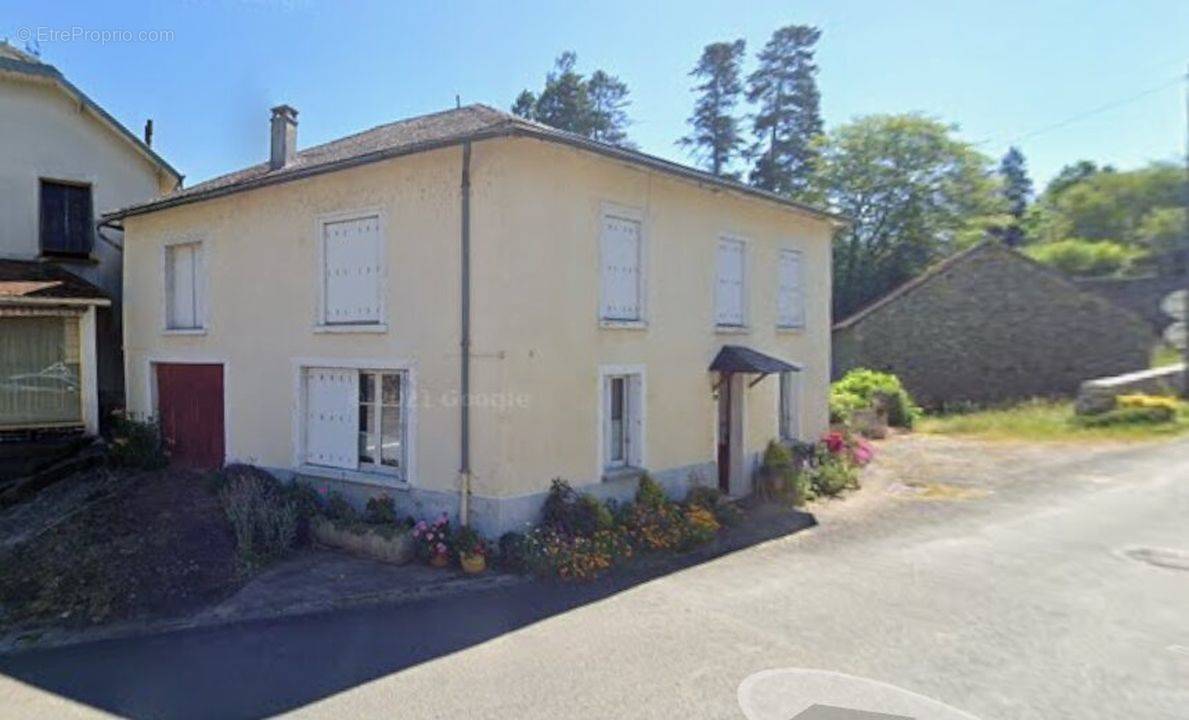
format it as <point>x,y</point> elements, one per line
<point>63,162</point>
<point>457,308</point>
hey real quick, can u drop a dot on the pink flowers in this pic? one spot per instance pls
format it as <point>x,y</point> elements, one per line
<point>855,449</point>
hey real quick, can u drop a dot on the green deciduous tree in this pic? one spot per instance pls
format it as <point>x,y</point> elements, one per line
<point>1138,209</point>
<point>594,107</point>
<point>911,190</point>
<point>1084,257</point>
<point>788,119</point>
<point>716,140</point>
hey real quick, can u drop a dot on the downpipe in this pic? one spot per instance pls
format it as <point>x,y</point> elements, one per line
<point>464,440</point>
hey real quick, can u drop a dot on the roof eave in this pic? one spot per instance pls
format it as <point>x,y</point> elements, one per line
<point>500,131</point>
<point>51,74</point>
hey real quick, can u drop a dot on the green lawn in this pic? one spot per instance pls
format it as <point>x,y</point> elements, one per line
<point>1043,420</point>
<point>1163,355</point>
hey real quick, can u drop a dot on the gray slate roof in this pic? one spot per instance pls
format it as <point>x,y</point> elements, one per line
<point>430,132</point>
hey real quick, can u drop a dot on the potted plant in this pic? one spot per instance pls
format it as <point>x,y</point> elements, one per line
<point>472,551</point>
<point>433,541</point>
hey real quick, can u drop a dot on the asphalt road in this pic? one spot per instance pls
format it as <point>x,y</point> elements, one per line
<point>1011,583</point>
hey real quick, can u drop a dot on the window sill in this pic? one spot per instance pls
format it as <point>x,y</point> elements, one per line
<point>732,329</point>
<point>378,328</point>
<point>184,331</point>
<point>790,329</point>
<point>378,479</point>
<point>623,324</point>
<point>625,473</point>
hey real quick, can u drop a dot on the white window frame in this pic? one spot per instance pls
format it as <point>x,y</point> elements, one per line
<point>745,291</point>
<point>366,474</point>
<point>320,223</point>
<point>639,429</point>
<point>788,414</point>
<point>609,209</point>
<point>800,290</point>
<point>201,286</point>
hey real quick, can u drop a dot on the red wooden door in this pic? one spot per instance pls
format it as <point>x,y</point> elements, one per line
<point>190,409</point>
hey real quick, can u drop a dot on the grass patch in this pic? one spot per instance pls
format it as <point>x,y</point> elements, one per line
<point>1046,420</point>
<point>1164,355</point>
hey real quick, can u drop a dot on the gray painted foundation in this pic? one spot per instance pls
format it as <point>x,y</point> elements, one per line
<point>494,516</point>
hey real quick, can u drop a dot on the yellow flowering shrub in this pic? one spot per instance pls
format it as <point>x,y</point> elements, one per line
<point>1140,400</point>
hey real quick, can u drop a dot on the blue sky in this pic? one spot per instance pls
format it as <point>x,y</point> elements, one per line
<point>1004,71</point>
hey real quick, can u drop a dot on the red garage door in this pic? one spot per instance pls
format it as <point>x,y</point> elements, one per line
<point>190,407</point>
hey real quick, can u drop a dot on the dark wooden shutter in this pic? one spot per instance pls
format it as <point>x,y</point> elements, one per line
<point>65,218</point>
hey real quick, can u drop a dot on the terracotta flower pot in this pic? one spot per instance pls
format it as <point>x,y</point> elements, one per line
<point>439,560</point>
<point>473,564</point>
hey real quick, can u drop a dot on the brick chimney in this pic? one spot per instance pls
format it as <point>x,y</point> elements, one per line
<point>284,137</point>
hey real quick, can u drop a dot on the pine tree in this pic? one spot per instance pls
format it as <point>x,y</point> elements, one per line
<point>788,120</point>
<point>564,103</point>
<point>1017,190</point>
<point>608,96</point>
<point>594,107</point>
<point>716,139</point>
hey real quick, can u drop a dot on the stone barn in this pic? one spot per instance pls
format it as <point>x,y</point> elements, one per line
<point>989,325</point>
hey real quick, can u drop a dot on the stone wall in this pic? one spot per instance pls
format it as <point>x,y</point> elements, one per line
<point>990,326</point>
<point>1140,295</point>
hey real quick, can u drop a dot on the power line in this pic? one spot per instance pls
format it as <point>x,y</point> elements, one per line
<point>1090,113</point>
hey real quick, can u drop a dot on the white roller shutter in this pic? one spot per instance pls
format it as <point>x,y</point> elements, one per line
<point>621,268</point>
<point>790,294</point>
<point>353,267</point>
<point>728,296</point>
<point>332,417</point>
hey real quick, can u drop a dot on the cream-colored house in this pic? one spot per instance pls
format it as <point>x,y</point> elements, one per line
<point>63,162</point>
<point>457,308</point>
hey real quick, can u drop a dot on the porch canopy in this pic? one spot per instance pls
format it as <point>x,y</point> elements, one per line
<point>740,359</point>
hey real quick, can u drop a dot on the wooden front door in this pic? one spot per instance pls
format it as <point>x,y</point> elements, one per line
<point>190,410</point>
<point>724,433</point>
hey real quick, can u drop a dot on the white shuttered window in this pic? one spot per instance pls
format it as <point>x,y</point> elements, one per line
<point>790,295</point>
<point>352,271</point>
<point>729,290</point>
<point>332,417</point>
<point>357,419</point>
<point>183,287</point>
<point>623,421</point>
<point>622,273</point>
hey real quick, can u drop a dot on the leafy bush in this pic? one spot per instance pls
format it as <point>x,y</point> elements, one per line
<point>339,511</point>
<point>704,496</point>
<point>433,539</point>
<point>649,493</point>
<point>380,510</point>
<point>1156,415</point>
<point>832,476</point>
<point>780,478</point>
<point>468,541</point>
<point>546,551</point>
<point>513,552</point>
<point>861,388</point>
<point>1078,257</point>
<point>852,448</point>
<point>137,444</point>
<point>262,516</point>
<point>572,513</point>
